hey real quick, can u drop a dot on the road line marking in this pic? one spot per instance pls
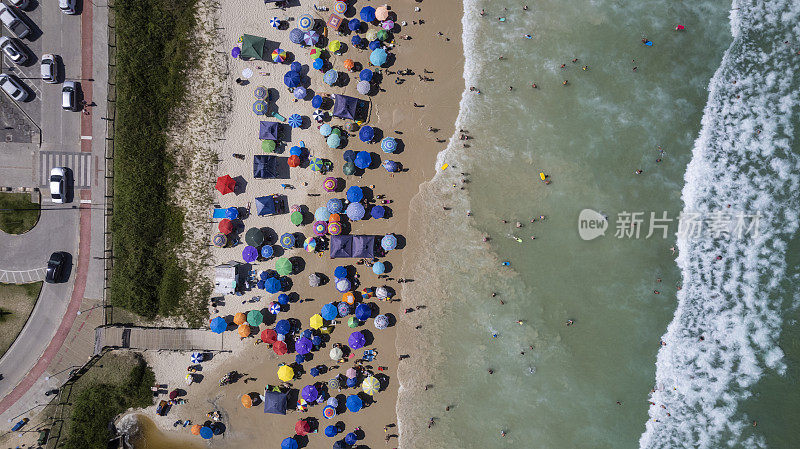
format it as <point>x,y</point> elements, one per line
<point>86,137</point>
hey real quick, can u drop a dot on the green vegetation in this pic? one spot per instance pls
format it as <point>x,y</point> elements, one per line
<point>153,43</point>
<point>17,303</point>
<point>17,213</point>
<point>108,389</point>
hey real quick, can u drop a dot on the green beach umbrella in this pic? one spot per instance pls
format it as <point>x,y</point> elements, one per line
<point>254,237</point>
<point>353,322</point>
<point>283,266</point>
<point>336,131</point>
<point>382,35</point>
<point>255,318</point>
<point>349,168</point>
<point>297,218</point>
<point>268,146</point>
<point>315,164</point>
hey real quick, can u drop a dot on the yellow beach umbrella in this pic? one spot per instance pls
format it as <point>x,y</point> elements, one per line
<point>247,401</point>
<point>371,385</point>
<point>240,318</point>
<point>372,34</point>
<point>285,373</point>
<point>334,46</point>
<point>316,321</point>
<point>349,298</point>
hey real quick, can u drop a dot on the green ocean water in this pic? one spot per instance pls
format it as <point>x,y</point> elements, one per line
<point>589,137</point>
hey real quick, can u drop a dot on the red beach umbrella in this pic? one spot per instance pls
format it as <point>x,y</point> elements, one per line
<point>302,428</point>
<point>294,161</point>
<point>269,336</point>
<point>225,226</point>
<point>226,184</point>
<point>280,348</point>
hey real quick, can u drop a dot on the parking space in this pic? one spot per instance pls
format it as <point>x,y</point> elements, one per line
<point>28,73</point>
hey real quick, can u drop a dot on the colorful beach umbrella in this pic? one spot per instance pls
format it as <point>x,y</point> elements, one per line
<point>325,130</point>
<point>320,227</point>
<point>329,184</point>
<point>267,251</point>
<point>322,214</point>
<point>275,22</point>
<point>377,211</point>
<point>296,218</point>
<point>220,240</point>
<point>339,7</point>
<point>382,35</point>
<point>367,14</point>
<point>381,322</point>
<point>268,146</point>
<point>311,38</point>
<point>349,298</point>
<point>287,240</point>
<point>355,211</point>
<point>283,266</point>
<point>389,242</point>
<point>316,321</point>
<point>315,53</point>
<point>310,245</point>
<point>315,164</point>
<point>343,285</point>
<point>354,402</point>
<point>274,308</point>
<point>391,166</point>
<point>334,228</point>
<point>329,412</point>
<point>378,57</point>
<point>218,325</point>
<point>260,107</point>
<point>334,205</point>
<point>363,159</point>
<point>249,254</point>
<point>378,268</point>
<point>330,77</point>
<point>371,385</point>
<point>366,133</point>
<point>272,285</point>
<point>353,322</point>
<point>278,55</point>
<point>387,25</point>
<point>239,318</point>
<point>388,144</point>
<point>305,22</point>
<point>255,318</point>
<point>289,443</point>
<point>329,311</point>
<point>334,141</point>
<point>300,92</point>
<point>226,185</point>
<point>348,168</point>
<point>366,75</point>
<point>260,92</point>
<point>302,347</point>
<point>295,120</point>
<point>334,46</point>
<point>344,309</point>
<point>244,330</point>
<point>296,36</point>
<point>355,194</point>
<point>354,25</point>
<point>363,87</point>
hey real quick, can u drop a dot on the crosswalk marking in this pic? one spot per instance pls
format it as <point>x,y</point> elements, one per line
<point>79,163</point>
<point>22,277</point>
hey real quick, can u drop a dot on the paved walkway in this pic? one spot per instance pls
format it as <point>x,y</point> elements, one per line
<point>153,338</point>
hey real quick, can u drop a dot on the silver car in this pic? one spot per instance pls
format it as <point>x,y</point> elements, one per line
<point>49,68</point>
<point>14,50</point>
<point>67,6</point>
<point>58,179</point>
<point>69,94</point>
<point>13,87</point>
<point>13,22</point>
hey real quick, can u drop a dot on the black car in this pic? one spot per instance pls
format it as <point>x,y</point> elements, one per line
<point>55,267</point>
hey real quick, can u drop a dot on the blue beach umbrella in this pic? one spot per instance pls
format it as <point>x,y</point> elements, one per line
<point>260,107</point>
<point>334,206</point>
<point>275,22</point>
<point>316,102</point>
<point>291,79</point>
<point>388,144</point>
<point>287,240</point>
<point>350,439</point>
<point>289,443</point>
<point>296,36</point>
<point>391,166</point>
<point>340,272</point>
<point>355,194</point>
<point>354,402</point>
<point>300,92</point>
<point>367,14</point>
<point>303,346</point>
<point>330,77</point>
<point>356,41</point>
<point>260,93</point>
<point>354,24</point>
<point>314,372</point>
<point>295,120</point>
<point>218,325</point>
<point>325,130</point>
<point>318,64</point>
<point>334,141</point>
<point>274,308</point>
<point>260,284</point>
<point>309,393</point>
<point>249,254</point>
<point>389,242</point>
<point>351,382</point>
<point>377,211</point>
<point>329,311</point>
<point>374,45</point>
<point>366,75</point>
<point>296,67</point>
<point>315,164</point>
<point>311,38</point>
<point>295,151</point>
<point>236,51</point>
<point>322,214</point>
<point>317,340</point>
<point>267,251</point>
<point>283,327</point>
<point>283,299</point>
<point>344,309</point>
<point>206,432</point>
<point>363,312</point>
<point>363,159</point>
<point>355,211</point>
<point>378,57</point>
<point>366,133</point>
<point>231,213</point>
<point>349,155</point>
<point>299,359</point>
<point>272,285</point>
<point>378,268</point>
<point>331,431</point>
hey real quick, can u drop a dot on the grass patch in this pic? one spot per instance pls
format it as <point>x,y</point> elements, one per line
<point>117,382</point>
<point>16,304</point>
<point>17,213</point>
<point>153,43</point>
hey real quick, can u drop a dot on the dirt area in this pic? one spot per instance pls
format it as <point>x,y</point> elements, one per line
<point>17,213</point>
<point>16,304</point>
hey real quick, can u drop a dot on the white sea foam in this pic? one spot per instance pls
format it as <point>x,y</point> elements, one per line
<point>742,157</point>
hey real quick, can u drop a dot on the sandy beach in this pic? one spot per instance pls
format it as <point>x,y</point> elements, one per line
<point>428,54</point>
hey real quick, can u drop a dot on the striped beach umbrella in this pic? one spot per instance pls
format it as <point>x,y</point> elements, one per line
<point>344,309</point>
<point>388,144</point>
<point>260,107</point>
<point>329,412</point>
<point>311,38</point>
<point>278,55</point>
<point>371,385</point>
<point>260,92</point>
<point>287,240</point>
<point>318,115</point>
<point>387,25</point>
<point>320,227</point>
<point>330,77</point>
<point>334,228</point>
<point>196,357</point>
<point>305,22</point>
<point>310,244</point>
<point>275,22</point>
<point>315,164</point>
<point>329,184</point>
<point>389,242</point>
<point>340,7</point>
<point>274,308</point>
<point>220,240</point>
<point>295,120</point>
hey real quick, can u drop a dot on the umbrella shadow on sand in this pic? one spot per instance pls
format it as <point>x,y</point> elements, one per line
<point>298,264</point>
<point>241,185</point>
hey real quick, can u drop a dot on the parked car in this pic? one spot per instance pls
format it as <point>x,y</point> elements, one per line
<point>49,68</point>
<point>69,96</point>
<point>19,4</point>
<point>58,184</point>
<point>67,6</point>
<point>55,267</point>
<point>13,22</point>
<point>13,87</point>
<point>14,50</point>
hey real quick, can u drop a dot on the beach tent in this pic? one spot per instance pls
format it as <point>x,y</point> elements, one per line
<point>225,279</point>
<point>265,166</point>
<point>358,246</point>
<point>344,106</point>
<point>266,205</point>
<point>275,402</point>
<point>252,47</point>
<point>268,130</point>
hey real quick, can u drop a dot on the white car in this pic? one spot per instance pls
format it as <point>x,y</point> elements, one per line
<point>69,96</point>
<point>58,176</point>
<point>13,87</point>
<point>13,22</point>
<point>67,6</point>
<point>49,68</point>
<point>14,50</point>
